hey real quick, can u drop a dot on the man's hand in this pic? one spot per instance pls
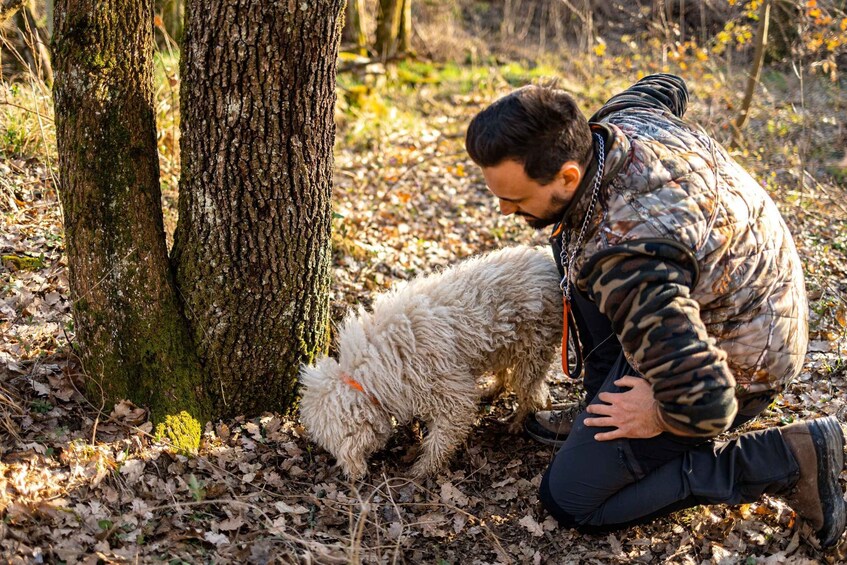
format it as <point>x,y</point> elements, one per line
<point>635,413</point>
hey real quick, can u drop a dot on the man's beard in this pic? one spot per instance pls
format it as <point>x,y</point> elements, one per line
<point>557,208</point>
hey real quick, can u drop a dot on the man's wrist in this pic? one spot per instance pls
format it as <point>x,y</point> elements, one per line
<point>659,419</point>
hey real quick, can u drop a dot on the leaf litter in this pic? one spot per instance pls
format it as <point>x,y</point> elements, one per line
<point>81,483</point>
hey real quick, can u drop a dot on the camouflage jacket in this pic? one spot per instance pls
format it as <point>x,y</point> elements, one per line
<point>690,260</point>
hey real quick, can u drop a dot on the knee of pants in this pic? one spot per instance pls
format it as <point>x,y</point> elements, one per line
<point>565,519</point>
<point>552,506</point>
<point>579,481</point>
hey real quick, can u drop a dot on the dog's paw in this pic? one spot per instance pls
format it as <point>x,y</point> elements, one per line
<point>422,470</point>
<point>354,470</point>
<point>418,474</point>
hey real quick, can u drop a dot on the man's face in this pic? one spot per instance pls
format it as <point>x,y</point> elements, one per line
<point>541,205</point>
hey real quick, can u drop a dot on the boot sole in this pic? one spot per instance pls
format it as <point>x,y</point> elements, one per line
<point>541,434</point>
<point>829,445</point>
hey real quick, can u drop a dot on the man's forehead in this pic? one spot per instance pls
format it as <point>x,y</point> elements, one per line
<point>510,171</point>
<point>506,177</point>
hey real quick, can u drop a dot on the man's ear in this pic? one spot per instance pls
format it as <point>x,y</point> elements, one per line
<point>571,175</point>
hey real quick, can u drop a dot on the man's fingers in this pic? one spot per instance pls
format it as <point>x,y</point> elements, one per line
<point>599,422</point>
<point>604,409</point>
<point>606,397</point>
<point>606,436</point>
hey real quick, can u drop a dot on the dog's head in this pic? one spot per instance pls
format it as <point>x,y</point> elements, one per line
<point>341,416</point>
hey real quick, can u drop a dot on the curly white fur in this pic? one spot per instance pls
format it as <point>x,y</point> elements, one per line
<point>419,353</point>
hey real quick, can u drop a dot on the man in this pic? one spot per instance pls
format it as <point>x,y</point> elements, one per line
<point>687,309</point>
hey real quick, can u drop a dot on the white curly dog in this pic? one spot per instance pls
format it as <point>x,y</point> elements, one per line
<point>419,353</point>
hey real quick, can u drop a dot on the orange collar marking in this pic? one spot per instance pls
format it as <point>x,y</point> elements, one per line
<point>353,383</point>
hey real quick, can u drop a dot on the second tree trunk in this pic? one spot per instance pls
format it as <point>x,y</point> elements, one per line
<point>251,247</point>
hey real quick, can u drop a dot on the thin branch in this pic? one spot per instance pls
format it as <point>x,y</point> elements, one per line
<point>753,77</point>
<point>25,109</point>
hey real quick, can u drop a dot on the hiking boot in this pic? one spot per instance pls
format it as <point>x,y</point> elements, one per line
<point>552,427</point>
<point>818,447</point>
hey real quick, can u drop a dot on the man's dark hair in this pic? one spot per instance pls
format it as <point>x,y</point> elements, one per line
<point>538,126</point>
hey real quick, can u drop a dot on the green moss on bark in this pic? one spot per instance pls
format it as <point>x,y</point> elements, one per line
<point>23,263</point>
<point>154,365</point>
<point>169,351</point>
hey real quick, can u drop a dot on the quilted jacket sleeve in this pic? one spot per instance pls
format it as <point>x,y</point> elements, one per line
<point>643,287</point>
<point>662,92</point>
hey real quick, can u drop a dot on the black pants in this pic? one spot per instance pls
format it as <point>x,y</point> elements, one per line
<point>611,484</point>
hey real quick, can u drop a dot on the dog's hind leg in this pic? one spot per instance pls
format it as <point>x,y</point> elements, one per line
<point>530,385</point>
<point>446,431</point>
<point>495,387</point>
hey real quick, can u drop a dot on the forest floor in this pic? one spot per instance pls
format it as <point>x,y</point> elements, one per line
<point>85,483</point>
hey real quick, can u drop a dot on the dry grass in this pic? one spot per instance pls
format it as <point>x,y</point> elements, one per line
<point>9,408</point>
<point>26,112</point>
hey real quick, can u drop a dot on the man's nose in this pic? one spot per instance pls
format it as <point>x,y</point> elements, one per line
<point>507,208</point>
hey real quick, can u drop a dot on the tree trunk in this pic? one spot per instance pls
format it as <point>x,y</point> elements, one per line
<point>354,31</point>
<point>388,27</point>
<point>404,39</point>
<point>133,341</point>
<point>251,247</point>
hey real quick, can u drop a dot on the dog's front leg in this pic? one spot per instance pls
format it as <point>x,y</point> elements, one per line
<point>445,432</point>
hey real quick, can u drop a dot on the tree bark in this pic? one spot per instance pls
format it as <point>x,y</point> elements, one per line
<point>133,341</point>
<point>251,247</point>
